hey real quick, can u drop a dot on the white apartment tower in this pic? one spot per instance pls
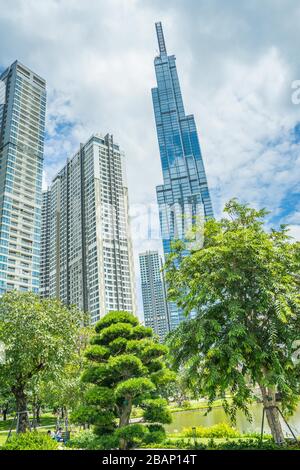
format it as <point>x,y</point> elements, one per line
<point>85,227</point>
<point>45,244</point>
<point>22,128</point>
<point>156,312</point>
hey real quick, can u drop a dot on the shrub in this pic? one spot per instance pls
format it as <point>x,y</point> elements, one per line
<point>186,404</point>
<point>156,434</point>
<point>247,444</point>
<point>256,435</point>
<point>133,434</point>
<point>174,444</point>
<point>90,441</point>
<point>135,413</point>
<point>31,441</point>
<point>242,444</point>
<point>83,440</point>
<point>155,410</point>
<point>217,430</point>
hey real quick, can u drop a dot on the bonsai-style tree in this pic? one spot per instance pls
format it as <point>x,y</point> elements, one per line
<point>40,337</point>
<point>243,287</point>
<point>125,369</point>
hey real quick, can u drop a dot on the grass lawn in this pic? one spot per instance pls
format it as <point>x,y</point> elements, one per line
<point>3,434</point>
<point>46,420</point>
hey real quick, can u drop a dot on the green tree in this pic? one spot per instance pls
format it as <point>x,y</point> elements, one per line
<point>178,390</point>
<point>125,368</point>
<point>40,336</point>
<point>65,392</point>
<point>7,401</point>
<point>243,287</point>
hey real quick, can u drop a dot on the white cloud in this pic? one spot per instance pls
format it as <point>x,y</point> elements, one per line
<point>295,231</point>
<point>236,63</point>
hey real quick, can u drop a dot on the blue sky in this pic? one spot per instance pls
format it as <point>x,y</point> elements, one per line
<point>236,63</point>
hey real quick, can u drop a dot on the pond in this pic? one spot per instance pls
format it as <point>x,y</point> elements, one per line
<point>191,418</point>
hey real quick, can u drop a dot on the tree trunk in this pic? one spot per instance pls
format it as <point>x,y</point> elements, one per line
<point>38,414</point>
<point>272,414</point>
<point>181,399</point>
<point>23,424</point>
<point>124,421</point>
<point>34,423</point>
<point>66,419</point>
<point>4,413</point>
<point>36,408</point>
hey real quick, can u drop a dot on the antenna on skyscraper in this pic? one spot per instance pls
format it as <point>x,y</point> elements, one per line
<point>160,38</point>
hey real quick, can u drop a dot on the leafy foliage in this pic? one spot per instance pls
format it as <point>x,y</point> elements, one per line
<point>132,434</point>
<point>248,444</point>
<point>236,444</point>
<point>217,430</point>
<point>156,411</point>
<point>40,338</point>
<point>90,441</point>
<point>121,372</point>
<point>243,287</point>
<point>7,401</point>
<point>30,441</point>
<point>64,391</point>
<point>156,434</point>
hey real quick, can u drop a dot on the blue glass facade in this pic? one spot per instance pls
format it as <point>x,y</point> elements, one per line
<point>184,196</point>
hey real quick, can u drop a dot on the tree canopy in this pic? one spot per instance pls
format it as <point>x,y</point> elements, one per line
<point>242,288</point>
<point>40,336</point>
<point>125,367</point>
<point>64,392</point>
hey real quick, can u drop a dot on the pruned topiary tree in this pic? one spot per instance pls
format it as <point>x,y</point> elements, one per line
<point>125,369</point>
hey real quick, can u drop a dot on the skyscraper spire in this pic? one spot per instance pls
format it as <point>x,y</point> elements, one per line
<point>160,38</point>
<point>183,198</point>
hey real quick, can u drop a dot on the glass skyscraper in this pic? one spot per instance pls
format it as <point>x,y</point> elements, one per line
<point>22,127</point>
<point>184,197</point>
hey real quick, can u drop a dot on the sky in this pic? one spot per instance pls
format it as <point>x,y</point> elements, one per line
<point>237,64</point>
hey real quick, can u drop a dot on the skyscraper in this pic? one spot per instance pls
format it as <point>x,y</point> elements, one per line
<point>154,293</point>
<point>183,198</point>
<point>22,127</point>
<point>86,232</point>
<point>45,244</point>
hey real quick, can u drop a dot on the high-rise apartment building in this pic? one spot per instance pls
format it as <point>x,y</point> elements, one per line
<point>183,198</point>
<point>154,293</point>
<point>22,127</point>
<point>45,244</point>
<point>86,232</point>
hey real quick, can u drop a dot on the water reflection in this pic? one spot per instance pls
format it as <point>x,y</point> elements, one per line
<point>191,418</point>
